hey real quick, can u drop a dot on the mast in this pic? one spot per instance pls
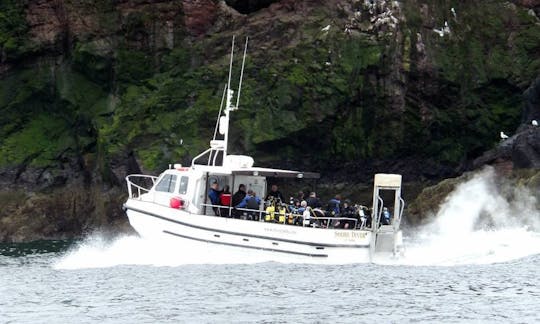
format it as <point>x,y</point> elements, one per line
<point>222,124</point>
<point>224,120</point>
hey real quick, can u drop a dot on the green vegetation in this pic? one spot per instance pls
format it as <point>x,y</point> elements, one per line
<point>13,29</point>
<point>356,97</point>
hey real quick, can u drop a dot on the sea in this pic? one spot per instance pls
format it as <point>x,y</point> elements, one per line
<point>477,261</point>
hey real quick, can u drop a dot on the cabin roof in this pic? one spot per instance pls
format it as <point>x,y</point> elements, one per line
<point>257,171</point>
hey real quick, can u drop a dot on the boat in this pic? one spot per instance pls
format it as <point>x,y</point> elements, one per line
<point>176,205</point>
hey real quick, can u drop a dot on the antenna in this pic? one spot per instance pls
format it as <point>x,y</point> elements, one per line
<point>229,91</point>
<point>241,75</point>
<point>220,109</point>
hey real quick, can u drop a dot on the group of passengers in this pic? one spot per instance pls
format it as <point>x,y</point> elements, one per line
<point>306,211</point>
<point>240,199</point>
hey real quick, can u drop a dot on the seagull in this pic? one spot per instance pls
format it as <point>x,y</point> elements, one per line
<point>503,136</point>
<point>181,141</point>
<point>534,122</point>
<point>453,12</point>
<point>325,29</point>
<point>446,28</point>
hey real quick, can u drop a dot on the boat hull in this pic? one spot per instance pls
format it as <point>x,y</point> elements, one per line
<point>155,221</point>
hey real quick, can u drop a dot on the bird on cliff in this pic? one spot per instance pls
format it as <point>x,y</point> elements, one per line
<point>325,29</point>
<point>453,12</point>
<point>443,31</point>
<point>503,136</point>
<point>534,122</point>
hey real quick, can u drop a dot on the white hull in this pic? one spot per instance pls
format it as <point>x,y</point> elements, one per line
<point>330,245</point>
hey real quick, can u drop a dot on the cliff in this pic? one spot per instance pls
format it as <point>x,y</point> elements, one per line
<point>93,90</point>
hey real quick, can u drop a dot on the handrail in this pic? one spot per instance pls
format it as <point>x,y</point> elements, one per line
<point>263,212</point>
<point>201,155</point>
<point>379,214</point>
<point>140,189</point>
<point>397,221</point>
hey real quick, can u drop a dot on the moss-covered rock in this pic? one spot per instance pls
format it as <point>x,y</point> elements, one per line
<point>90,88</point>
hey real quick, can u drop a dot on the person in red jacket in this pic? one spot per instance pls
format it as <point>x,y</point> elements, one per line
<point>225,200</point>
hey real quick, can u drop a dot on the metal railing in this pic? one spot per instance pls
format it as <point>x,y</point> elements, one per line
<point>139,189</point>
<point>329,222</point>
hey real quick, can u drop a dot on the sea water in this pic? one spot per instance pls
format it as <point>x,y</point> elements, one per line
<point>478,261</point>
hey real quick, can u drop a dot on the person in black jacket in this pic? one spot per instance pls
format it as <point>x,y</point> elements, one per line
<point>313,201</point>
<point>237,198</point>
<point>275,193</point>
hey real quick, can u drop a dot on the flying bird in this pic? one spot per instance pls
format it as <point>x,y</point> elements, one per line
<point>534,122</point>
<point>503,136</point>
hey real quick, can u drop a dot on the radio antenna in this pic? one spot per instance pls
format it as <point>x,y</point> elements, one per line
<point>241,74</point>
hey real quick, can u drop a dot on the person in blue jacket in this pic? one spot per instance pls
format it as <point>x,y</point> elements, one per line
<point>214,194</point>
<point>334,205</point>
<point>386,216</point>
<point>251,201</point>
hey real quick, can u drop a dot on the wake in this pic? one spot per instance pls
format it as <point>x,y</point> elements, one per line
<point>481,222</point>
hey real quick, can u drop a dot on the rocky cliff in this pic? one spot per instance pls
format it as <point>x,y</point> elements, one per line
<point>93,90</point>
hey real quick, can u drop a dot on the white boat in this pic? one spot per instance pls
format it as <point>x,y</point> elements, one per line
<point>176,205</point>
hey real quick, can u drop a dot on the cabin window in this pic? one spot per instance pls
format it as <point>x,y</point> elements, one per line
<point>183,185</point>
<point>167,183</point>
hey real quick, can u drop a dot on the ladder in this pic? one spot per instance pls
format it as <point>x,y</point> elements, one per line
<point>386,237</point>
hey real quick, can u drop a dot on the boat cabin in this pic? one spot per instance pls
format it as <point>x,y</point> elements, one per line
<point>188,187</point>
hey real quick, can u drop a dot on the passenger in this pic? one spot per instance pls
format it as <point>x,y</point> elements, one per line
<point>300,196</point>
<point>237,198</point>
<point>225,200</point>
<point>334,205</point>
<point>348,211</point>
<point>313,201</point>
<point>303,206</point>
<point>306,216</point>
<point>275,193</point>
<point>251,201</point>
<point>214,194</point>
<point>386,217</point>
<point>298,220</point>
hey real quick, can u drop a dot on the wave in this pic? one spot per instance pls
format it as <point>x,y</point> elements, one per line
<point>484,220</point>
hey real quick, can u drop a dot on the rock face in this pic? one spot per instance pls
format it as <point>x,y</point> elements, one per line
<point>521,150</point>
<point>517,191</point>
<point>93,90</point>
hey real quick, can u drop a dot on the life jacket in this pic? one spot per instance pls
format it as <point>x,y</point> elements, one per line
<point>282,215</point>
<point>225,199</point>
<point>270,210</point>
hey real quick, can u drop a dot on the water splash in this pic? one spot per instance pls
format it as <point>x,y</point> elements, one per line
<point>485,220</point>
<point>98,252</point>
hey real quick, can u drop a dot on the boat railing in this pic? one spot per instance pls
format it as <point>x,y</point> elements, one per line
<point>314,221</point>
<point>139,184</point>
